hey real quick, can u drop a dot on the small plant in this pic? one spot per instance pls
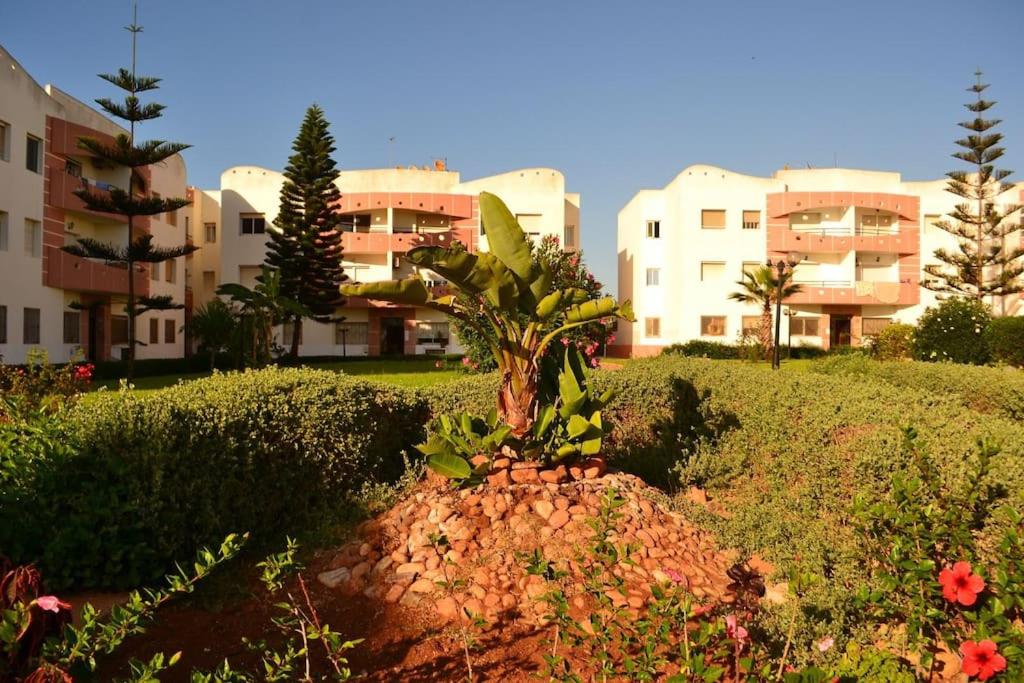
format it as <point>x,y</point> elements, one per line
<point>953,331</point>
<point>894,342</point>
<point>456,440</point>
<point>40,384</point>
<point>469,623</point>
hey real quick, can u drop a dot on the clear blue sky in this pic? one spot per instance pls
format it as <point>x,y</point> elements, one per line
<point>618,95</point>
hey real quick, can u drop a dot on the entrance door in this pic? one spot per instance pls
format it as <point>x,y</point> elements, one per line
<point>392,336</point>
<point>841,331</point>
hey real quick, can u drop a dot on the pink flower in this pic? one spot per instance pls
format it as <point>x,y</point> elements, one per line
<point>51,603</point>
<point>565,341</point>
<point>675,576</point>
<point>825,644</point>
<point>959,584</point>
<point>438,364</point>
<point>466,360</point>
<point>594,362</point>
<point>734,630</point>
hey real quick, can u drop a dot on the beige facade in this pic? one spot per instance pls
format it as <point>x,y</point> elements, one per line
<point>386,212</point>
<point>860,240</point>
<point>40,168</point>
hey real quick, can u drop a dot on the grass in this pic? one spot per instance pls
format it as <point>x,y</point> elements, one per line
<point>410,372</point>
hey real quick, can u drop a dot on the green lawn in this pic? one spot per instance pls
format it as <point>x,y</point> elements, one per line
<point>412,372</point>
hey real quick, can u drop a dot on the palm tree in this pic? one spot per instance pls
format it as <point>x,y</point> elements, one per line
<point>260,308</point>
<point>761,287</point>
<point>214,325</point>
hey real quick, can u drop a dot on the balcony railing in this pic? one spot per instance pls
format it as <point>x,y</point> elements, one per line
<point>823,283</point>
<point>845,231</point>
<point>877,230</point>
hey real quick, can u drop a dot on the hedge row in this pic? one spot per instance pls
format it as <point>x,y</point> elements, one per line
<point>154,477</point>
<point>997,390</point>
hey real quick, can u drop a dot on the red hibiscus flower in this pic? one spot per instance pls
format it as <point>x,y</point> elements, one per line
<point>960,585</point>
<point>981,659</point>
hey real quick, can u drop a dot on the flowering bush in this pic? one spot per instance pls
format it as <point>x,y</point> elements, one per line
<point>953,331</point>
<point>41,384</point>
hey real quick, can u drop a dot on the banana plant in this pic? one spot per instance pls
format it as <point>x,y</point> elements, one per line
<point>511,303</point>
<point>455,440</point>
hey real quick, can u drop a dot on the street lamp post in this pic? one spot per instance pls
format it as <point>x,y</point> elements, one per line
<point>780,267</point>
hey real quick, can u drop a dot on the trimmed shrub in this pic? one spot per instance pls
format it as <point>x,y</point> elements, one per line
<point>953,331</point>
<point>987,390</point>
<point>1005,340</point>
<point>895,342</point>
<point>698,348</point>
<point>157,476</point>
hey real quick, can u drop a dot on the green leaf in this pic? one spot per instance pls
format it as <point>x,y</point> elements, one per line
<point>411,290</point>
<point>505,238</point>
<point>450,466</point>
<point>578,426</point>
<point>597,309</point>
<point>544,420</point>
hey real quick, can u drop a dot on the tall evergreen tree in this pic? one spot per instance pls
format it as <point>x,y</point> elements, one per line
<point>135,201</point>
<point>984,264</point>
<point>305,244</point>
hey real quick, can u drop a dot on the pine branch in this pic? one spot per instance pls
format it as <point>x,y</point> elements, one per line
<point>90,248</point>
<point>124,153</point>
<point>134,84</point>
<point>157,303</point>
<point>119,202</point>
<point>131,109</point>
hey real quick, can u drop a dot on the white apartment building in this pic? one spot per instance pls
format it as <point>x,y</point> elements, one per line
<point>50,300</point>
<point>860,240</point>
<point>386,213</point>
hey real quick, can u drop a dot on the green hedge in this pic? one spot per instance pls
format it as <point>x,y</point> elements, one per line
<point>1005,340</point>
<point>154,477</point>
<point>997,390</point>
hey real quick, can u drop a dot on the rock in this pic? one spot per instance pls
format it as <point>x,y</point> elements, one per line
<point>422,586</point>
<point>409,570</point>
<point>395,593</point>
<point>360,570</point>
<point>576,472</point>
<point>594,468</point>
<point>558,519</point>
<point>501,463</point>
<point>335,577</point>
<point>478,459</point>
<point>447,608</point>
<point>555,476</point>
<point>524,476</point>
<point>499,479</point>
<point>561,503</point>
<point>543,508</point>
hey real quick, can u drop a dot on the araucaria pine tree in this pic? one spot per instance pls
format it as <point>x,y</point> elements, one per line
<point>987,263</point>
<point>135,201</point>
<point>305,243</point>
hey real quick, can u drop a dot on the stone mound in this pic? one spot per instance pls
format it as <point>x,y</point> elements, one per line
<point>490,531</point>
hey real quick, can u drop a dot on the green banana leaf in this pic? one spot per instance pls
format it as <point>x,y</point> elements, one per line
<point>450,466</point>
<point>559,300</point>
<point>411,290</point>
<point>505,239</point>
<point>599,308</point>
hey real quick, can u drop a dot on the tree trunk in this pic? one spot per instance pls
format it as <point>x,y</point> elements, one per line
<point>766,331</point>
<point>296,334</point>
<point>518,409</point>
<point>131,303</point>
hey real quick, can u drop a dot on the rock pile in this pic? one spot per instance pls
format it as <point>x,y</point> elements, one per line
<point>452,551</point>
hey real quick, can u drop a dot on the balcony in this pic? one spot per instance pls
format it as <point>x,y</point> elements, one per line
<point>841,239</point>
<point>401,242</point>
<point>72,273</point>
<point>863,293</point>
<point>63,186</point>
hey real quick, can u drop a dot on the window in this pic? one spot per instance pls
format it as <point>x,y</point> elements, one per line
<point>751,220</point>
<point>5,141</point>
<point>351,333</point>
<point>711,270</point>
<point>169,329</point>
<point>171,218</point>
<point>751,267</point>
<point>871,327</point>
<point>73,168</point>
<point>751,325</point>
<point>4,238</point>
<point>570,237</point>
<point>712,325</point>
<point>712,219</point>
<point>653,277</point>
<point>211,232</point>
<point>154,331</point>
<point>529,222</point>
<point>209,280</point>
<point>3,324</point>
<point>34,154</point>
<point>253,223</point>
<point>931,219</point>
<point>171,270</point>
<point>876,224</point>
<point>118,330</point>
<point>432,333</point>
<point>652,327</point>
<point>803,327</point>
<point>33,238</point>
<point>798,219</point>
<point>358,222</point>
<point>30,326</point>
<point>72,329</point>
<point>654,229</point>
<point>154,271</point>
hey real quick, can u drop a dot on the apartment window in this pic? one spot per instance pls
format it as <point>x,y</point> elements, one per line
<point>652,327</point>
<point>711,270</point>
<point>211,232</point>
<point>751,325</point>
<point>712,219</point>
<point>4,237</point>
<point>118,330</point>
<point>351,333</point>
<point>751,267</point>
<point>253,223</point>
<point>432,333</point>
<point>209,280</point>
<point>170,327</point>
<point>171,271</point>
<point>570,237</point>
<point>30,326</point>
<point>171,217</point>
<point>751,220</point>
<point>529,222</point>
<point>653,277</point>
<point>654,229</point>
<point>33,238</point>
<point>871,327</point>
<point>154,331</point>
<point>5,141</point>
<point>154,271</point>
<point>72,327</point>
<point>3,324</point>
<point>803,327</point>
<point>34,154</point>
<point>876,224</point>
<point>712,325</point>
